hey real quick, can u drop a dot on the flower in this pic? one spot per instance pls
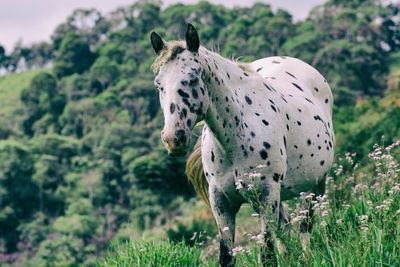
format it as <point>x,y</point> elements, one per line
<point>239,184</point>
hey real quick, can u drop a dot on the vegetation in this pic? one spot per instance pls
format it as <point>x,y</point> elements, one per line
<point>81,162</point>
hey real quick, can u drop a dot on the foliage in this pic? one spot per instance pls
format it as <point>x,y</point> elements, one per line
<point>74,56</point>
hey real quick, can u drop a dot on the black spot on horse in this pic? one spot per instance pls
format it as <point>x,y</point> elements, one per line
<point>237,121</point>
<point>275,177</point>
<point>172,108</point>
<point>194,81</point>
<point>252,134</point>
<point>183,94</point>
<point>309,100</point>
<point>309,142</point>
<point>298,87</point>
<point>273,108</point>
<point>248,100</point>
<point>291,75</point>
<point>184,112</point>
<point>259,69</point>
<point>267,145</point>
<point>263,154</point>
<point>195,94</point>
<point>322,162</point>
<point>186,102</point>
<point>326,100</point>
<point>299,123</point>
<point>212,156</point>
<point>265,122</point>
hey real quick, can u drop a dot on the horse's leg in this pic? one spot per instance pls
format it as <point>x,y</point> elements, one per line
<point>269,213</point>
<point>306,226</point>
<point>224,213</point>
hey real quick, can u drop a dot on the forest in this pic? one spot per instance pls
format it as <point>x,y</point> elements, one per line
<point>84,177</point>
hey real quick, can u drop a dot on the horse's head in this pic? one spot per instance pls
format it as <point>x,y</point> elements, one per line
<point>183,96</point>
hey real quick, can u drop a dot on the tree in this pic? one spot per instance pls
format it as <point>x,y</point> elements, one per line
<point>18,193</point>
<point>74,56</point>
<point>40,98</point>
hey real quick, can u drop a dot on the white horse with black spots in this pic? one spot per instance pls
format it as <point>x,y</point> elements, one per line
<point>268,126</point>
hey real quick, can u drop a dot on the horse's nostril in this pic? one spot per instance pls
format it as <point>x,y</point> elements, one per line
<point>180,136</point>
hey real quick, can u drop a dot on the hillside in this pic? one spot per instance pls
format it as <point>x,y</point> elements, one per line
<point>82,166</point>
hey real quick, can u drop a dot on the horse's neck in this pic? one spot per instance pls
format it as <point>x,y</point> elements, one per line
<point>223,80</point>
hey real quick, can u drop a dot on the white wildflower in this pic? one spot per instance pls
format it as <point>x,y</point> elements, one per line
<point>339,221</point>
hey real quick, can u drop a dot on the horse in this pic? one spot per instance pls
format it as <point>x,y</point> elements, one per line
<point>267,133</point>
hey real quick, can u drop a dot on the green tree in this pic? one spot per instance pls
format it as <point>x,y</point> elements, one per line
<point>18,193</point>
<point>74,56</point>
<point>42,97</point>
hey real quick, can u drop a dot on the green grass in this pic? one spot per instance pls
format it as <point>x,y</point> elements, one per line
<point>144,254</point>
<point>360,228</point>
<point>10,90</point>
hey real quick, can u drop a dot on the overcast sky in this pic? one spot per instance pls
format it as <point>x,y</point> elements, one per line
<point>35,20</point>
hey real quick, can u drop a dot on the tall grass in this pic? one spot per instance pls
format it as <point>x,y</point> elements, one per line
<point>357,223</point>
<point>145,254</point>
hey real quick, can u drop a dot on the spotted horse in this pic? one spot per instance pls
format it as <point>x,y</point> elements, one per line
<point>267,125</point>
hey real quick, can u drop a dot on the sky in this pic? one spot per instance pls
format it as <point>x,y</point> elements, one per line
<point>34,20</point>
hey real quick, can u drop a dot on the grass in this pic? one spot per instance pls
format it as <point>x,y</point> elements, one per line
<point>144,254</point>
<point>11,86</point>
<point>356,224</point>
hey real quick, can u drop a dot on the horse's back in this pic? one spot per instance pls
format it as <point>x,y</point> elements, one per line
<point>307,108</point>
<point>297,72</point>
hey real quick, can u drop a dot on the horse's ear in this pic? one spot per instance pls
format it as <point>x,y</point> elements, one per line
<point>192,39</point>
<point>157,42</point>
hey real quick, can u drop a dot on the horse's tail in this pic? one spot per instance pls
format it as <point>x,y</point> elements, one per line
<point>195,173</point>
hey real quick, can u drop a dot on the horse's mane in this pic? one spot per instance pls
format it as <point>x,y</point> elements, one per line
<point>195,172</point>
<point>168,53</point>
<point>172,48</point>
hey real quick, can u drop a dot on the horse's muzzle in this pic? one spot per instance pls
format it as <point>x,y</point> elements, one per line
<point>177,144</point>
